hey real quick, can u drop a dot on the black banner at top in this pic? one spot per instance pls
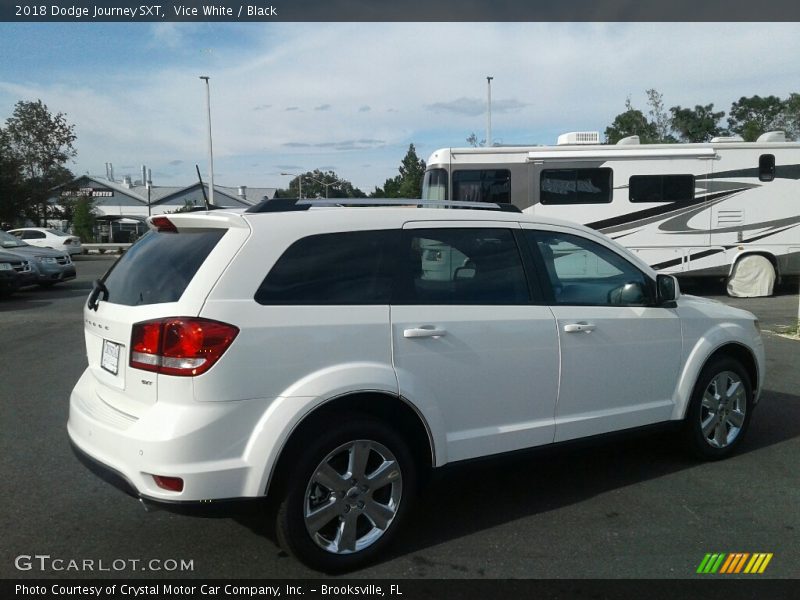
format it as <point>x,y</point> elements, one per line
<point>398,10</point>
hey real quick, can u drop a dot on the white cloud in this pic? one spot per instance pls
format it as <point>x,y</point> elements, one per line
<point>297,93</point>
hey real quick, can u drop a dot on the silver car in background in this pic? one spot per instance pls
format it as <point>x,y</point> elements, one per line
<point>51,266</point>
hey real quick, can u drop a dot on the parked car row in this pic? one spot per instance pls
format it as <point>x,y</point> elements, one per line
<point>23,264</point>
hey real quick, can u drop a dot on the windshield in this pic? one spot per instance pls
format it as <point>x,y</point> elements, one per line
<point>434,185</point>
<point>9,241</point>
<point>57,232</point>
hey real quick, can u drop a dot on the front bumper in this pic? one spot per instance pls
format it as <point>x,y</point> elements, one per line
<point>205,444</point>
<point>49,272</point>
<point>10,282</point>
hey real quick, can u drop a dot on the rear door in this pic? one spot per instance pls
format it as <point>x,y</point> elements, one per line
<point>168,272</point>
<point>469,342</point>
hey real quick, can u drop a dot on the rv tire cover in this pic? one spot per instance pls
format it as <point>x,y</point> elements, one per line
<point>752,277</point>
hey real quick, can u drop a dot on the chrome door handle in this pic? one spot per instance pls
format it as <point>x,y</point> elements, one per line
<point>578,327</point>
<point>424,331</point>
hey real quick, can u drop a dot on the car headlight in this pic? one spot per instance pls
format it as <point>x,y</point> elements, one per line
<point>48,260</point>
<point>6,267</point>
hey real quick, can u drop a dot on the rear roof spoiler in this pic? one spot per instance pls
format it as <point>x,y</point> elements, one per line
<point>297,204</point>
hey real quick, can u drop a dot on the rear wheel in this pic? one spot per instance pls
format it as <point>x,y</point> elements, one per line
<point>720,409</point>
<point>347,496</point>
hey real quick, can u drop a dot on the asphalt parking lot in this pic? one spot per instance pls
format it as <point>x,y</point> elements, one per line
<point>631,507</point>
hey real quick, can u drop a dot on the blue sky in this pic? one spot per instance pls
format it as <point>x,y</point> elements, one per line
<point>352,96</point>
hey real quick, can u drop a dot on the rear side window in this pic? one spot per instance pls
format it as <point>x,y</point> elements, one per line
<point>159,267</point>
<point>355,267</point>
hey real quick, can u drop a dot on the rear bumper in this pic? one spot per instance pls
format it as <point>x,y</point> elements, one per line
<point>192,507</point>
<point>204,444</point>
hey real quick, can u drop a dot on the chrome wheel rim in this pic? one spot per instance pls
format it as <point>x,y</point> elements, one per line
<point>723,409</point>
<point>352,497</point>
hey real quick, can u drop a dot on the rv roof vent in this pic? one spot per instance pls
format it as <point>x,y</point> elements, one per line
<point>726,138</point>
<point>579,137</point>
<point>772,136</point>
<point>631,140</point>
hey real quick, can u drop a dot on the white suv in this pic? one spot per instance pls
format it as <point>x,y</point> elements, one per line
<point>329,356</point>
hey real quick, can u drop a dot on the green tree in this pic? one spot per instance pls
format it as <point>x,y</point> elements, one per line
<point>631,122</point>
<point>42,143</point>
<point>11,192</point>
<point>84,219</point>
<point>792,105</point>
<point>659,117</point>
<point>473,141</point>
<point>321,184</point>
<point>699,124</point>
<point>750,117</point>
<point>408,184</point>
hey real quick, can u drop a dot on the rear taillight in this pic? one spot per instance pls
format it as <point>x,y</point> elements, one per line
<point>163,224</point>
<point>179,346</point>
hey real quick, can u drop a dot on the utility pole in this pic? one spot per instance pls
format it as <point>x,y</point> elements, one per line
<point>489,111</point>
<point>210,145</point>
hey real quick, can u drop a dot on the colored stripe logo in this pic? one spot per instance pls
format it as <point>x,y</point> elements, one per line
<point>735,562</point>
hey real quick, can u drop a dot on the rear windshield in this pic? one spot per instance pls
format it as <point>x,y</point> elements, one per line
<point>159,266</point>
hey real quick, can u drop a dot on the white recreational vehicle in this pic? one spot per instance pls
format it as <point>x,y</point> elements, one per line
<point>724,208</point>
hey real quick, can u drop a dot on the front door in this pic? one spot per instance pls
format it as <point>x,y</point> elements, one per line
<point>620,354</point>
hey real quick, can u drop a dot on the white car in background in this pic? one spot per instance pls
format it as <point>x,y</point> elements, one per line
<point>49,238</point>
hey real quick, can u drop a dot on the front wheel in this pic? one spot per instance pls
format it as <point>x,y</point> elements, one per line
<point>720,409</point>
<point>347,496</point>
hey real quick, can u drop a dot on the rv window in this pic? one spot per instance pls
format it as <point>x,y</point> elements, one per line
<point>661,188</point>
<point>766,167</point>
<point>485,185</point>
<point>434,185</point>
<point>575,186</point>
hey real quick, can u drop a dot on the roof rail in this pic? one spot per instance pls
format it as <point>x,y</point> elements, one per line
<point>294,204</point>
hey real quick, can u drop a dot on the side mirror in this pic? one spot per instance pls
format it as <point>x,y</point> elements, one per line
<point>667,291</point>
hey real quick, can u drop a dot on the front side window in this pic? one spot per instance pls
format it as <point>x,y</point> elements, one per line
<point>462,266</point>
<point>661,188</point>
<point>482,185</point>
<point>583,272</point>
<point>434,185</point>
<point>33,235</point>
<point>575,186</point>
<point>356,267</point>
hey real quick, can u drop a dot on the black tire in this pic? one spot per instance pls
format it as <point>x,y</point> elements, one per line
<point>302,491</point>
<point>721,440</point>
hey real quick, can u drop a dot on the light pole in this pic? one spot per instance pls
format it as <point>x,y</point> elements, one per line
<point>299,183</point>
<point>489,111</point>
<point>210,145</point>
<point>322,183</point>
